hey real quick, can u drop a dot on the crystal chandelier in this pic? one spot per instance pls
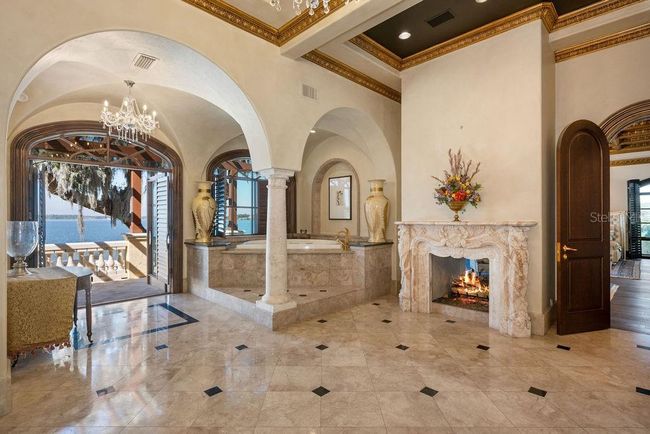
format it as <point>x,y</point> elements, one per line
<point>129,122</point>
<point>312,5</point>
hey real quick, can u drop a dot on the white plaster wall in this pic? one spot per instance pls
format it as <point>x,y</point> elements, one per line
<point>487,100</point>
<point>618,177</point>
<point>596,85</point>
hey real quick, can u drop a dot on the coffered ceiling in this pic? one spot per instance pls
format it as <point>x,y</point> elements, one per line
<point>432,22</point>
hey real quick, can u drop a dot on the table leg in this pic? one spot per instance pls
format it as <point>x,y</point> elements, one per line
<point>74,309</point>
<point>89,315</point>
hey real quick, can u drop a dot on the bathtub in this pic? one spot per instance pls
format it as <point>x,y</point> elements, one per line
<point>293,245</point>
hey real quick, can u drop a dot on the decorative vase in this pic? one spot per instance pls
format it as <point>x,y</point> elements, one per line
<point>376,209</point>
<point>456,206</point>
<point>22,239</point>
<point>203,210</point>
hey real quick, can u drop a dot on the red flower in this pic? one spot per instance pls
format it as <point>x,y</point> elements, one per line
<point>459,196</point>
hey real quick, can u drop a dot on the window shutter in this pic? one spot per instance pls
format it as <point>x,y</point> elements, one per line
<point>262,200</point>
<point>219,195</point>
<point>634,218</point>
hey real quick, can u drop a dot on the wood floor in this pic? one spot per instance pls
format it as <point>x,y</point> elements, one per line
<point>631,305</point>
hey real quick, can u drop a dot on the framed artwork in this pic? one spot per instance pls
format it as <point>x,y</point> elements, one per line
<point>340,198</point>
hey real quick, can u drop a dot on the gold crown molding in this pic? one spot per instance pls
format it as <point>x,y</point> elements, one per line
<point>591,11</point>
<point>629,162</point>
<point>630,150</point>
<point>377,50</point>
<point>237,18</point>
<point>339,68</point>
<point>609,41</point>
<point>544,11</point>
<point>304,21</point>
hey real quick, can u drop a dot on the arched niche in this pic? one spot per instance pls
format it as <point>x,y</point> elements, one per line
<point>316,195</point>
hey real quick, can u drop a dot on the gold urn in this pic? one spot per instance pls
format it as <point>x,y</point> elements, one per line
<point>457,206</point>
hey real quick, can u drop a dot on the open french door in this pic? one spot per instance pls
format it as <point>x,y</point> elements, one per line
<point>582,250</point>
<point>158,233</point>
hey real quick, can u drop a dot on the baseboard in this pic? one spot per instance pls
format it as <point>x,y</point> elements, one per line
<point>541,323</point>
<point>5,395</point>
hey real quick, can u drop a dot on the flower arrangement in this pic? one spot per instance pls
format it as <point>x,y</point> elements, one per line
<point>457,187</point>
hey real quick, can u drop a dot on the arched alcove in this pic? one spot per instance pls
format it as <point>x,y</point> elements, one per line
<point>316,195</point>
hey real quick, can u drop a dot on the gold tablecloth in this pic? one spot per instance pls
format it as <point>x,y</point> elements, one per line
<point>39,309</point>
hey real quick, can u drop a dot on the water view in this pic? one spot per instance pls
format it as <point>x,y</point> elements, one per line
<point>64,230</point>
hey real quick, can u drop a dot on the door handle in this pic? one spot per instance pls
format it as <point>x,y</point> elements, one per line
<point>566,248</point>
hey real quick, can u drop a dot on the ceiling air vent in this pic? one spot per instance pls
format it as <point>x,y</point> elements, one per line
<point>309,92</point>
<point>441,18</point>
<point>143,61</point>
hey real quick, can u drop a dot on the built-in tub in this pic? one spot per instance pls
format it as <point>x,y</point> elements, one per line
<point>293,245</point>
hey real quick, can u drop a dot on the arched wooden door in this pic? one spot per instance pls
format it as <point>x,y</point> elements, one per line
<point>582,249</point>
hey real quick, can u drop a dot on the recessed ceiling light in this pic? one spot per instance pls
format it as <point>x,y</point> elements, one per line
<point>481,1</point>
<point>312,131</point>
<point>404,35</point>
<point>23,97</point>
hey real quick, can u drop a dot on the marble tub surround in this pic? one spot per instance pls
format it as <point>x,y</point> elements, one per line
<point>505,244</point>
<point>370,385</point>
<point>336,278</point>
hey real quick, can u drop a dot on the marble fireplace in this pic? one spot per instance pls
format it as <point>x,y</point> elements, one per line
<point>431,252</point>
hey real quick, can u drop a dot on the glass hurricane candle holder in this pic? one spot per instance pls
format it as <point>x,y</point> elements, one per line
<point>22,239</point>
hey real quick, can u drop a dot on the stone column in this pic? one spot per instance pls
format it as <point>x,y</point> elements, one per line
<point>276,297</point>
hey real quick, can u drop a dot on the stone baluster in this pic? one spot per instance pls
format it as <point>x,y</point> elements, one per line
<point>276,297</point>
<point>101,263</point>
<point>110,263</point>
<point>59,259</point>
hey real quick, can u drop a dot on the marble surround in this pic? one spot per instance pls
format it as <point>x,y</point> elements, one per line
<point>328,280</point>
<point>505,244</point>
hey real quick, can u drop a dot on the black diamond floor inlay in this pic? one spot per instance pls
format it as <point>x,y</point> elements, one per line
<point>536,391</point>
<point>321,391</point>
<point>386,321</point>
<point>322,347</point>
<point>161,347</point>
<point>302,295</point>
<point>213,391</point>
<point>322,321</point>
<point>643,347</point>
<point>429,391</point>
<point>247,290</point>
<point>451,321</point>
<point>564,347</point>
<point>643,391</point>
<point>105,391</point>
<point>375,304</point>
<point>323,290</point>
<point>483,347</point>
<point>402,347</point>
<point>241,347</point>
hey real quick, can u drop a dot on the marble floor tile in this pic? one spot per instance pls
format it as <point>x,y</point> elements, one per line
<point>371,386</point>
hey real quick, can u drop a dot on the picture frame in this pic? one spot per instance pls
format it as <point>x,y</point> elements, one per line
<point>340,198</point>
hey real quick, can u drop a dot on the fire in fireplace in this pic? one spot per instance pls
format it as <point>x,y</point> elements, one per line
<point>461,282</point>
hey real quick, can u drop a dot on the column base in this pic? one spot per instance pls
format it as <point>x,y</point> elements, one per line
<point>276,307</point>
<point>5,395</point>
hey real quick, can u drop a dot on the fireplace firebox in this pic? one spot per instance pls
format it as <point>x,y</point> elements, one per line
<point>461,282</point>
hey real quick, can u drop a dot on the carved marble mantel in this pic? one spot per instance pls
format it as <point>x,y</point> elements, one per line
<point>505,244</point>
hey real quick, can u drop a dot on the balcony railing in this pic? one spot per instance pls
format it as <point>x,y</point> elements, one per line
<point>107,259</point>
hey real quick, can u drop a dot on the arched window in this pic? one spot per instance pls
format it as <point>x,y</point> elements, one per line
<point>241,196</point>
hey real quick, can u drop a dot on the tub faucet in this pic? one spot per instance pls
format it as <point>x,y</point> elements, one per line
<point>345,240</point>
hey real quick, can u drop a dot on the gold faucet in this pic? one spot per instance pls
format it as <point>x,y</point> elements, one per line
<point>345,242</point>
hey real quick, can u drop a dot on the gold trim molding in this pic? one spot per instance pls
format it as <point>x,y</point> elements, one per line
<point>345,71</point>
<point>591,11</point>
<point>377,50</point>
<point>629,162</point>
<point>623,37</point>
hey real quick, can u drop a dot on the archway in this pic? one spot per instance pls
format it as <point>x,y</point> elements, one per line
<point>616,122</point>
<point>22,188</point>
<point>316,189</point>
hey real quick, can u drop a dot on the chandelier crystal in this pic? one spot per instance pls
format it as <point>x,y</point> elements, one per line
<point>129,122</point>
<point>311,5</point>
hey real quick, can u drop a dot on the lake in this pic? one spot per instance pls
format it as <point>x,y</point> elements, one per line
<point>65,231</point>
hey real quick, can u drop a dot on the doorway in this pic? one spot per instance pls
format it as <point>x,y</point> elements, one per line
<point>145,255</point>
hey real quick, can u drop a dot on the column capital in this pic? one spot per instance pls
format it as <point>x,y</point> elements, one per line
<point>276,173</point>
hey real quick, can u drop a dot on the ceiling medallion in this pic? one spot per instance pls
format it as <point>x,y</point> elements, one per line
<point>129,122</point>
<point>311,5</point>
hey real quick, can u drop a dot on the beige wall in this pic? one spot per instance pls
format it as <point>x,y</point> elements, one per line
<point>486,99</point>
<point>618,177</point>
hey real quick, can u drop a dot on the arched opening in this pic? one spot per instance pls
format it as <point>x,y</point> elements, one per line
<point>344,167</point>
<point>87,144</point>
<point>241,198</point>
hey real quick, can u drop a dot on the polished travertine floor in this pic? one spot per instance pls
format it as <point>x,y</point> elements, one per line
<point>142,376</point>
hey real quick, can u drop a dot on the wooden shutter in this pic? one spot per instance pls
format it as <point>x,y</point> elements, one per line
<point>634,218</point>
<point>262,201</point>
<point>159,230</point>
<point>219,195</point>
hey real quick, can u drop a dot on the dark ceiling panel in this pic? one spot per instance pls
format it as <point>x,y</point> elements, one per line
<point>468,15</point>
